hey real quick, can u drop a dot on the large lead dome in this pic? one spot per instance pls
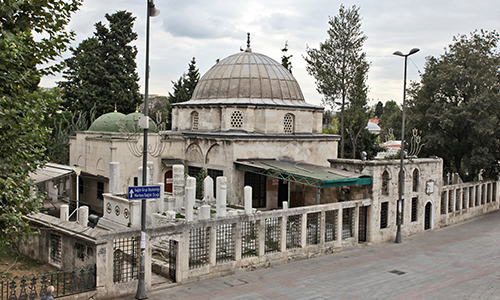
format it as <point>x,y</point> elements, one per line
<point>248,78</point>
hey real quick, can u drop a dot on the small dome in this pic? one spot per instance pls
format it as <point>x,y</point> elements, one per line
<point>132,125</point>
<point>107,122</point>
<point>372,127</point>
<point>250,79</point>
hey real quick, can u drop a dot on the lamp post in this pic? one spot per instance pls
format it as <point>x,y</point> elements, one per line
<point>144,123</point>
<point>401,172</point>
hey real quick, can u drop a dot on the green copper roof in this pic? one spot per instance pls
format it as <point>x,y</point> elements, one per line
<point>303,173</point>
<point>118,122</point>
<point>107,122</point>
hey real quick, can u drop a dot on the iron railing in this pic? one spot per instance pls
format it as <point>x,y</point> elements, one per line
<point>65,283</point>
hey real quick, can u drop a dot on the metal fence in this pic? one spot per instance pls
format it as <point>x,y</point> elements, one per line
<point>65,283</point>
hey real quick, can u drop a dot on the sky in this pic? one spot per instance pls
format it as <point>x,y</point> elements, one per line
<point>216,29</point>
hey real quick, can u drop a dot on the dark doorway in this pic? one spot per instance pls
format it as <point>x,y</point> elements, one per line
<point>363,218</point>
<point>428,216</point>
<point>282,192</point>
<point>258,184</point>
<point>168,181</point>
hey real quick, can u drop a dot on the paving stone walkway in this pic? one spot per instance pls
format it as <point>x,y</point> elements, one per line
<point>457,262</point>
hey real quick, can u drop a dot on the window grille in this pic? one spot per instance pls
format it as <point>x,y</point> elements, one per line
<point>488,195</point>
<point>194,120</point>
<point>273,234</point>
<point>237,119</point>
<point>494,192</point>
<point>414,209</point>
<point>100,190</point>
<point>477,195</point>
<point>199,242</point>
<point>483,193</point>
<point>347,223</point>
<point>385,183</point>
<point>293,231</point>
<point>471,196</point>
<point>313,228</point>
<point>330,222</point>
<point>415,180</point>
<point>384,214</point>
<point>457,199</point>
<point>249,239</point>
<point>443,202</point>
<point>450,201</point>
<point>81,250</point>
<point>55,249</point>
<point>288,123</point>
<point>464,198</point>
<point>125,259</point>
<point>225,243</point>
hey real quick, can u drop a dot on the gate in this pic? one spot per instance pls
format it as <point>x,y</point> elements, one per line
<point>363,213</point>
<point>172,260</point>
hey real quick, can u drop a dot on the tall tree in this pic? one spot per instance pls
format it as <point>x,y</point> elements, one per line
<point>357,113</point>
<point>102,70</point>
<point>379,109</point>
<point>456,106</point>
<point>335,64</point>
<point>391,118</point>
<point>285,59</point>
<point>23,106</point>
<point>183,88</point>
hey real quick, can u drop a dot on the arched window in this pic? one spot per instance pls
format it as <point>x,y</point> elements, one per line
<point>385,183</point>
<point>194,120</point>
<point>288,123</point>
<point>237,119</point>
<point>415,180</point>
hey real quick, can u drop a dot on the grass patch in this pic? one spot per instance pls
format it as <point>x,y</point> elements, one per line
<point>14,264</point>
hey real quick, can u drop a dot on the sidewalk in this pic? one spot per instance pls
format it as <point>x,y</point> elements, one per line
<point>457,262</point>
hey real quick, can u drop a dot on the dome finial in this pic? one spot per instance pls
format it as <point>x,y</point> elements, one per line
<point>137,108</point>
<point>248,43</point>
<point>115,108</point>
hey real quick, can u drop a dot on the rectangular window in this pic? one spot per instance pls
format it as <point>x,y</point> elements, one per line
<point>450,201</point>
<point>313,228</point>
<point>384,214</point>
<point>225,243</point>
<point>100,190</point>
<point>471,196</point>
<point>273,235</point>
<point>249,239</point>
<point>126,259</point>
<point>464,198</point>
<point>293,231</point>
<point>199,241</point>
<point>136,181</point>
<point>457,200</point>
<point>258,184</point>
<point>330,222</point>
<point>55,249</point>
<point>347,223</point>
<point>414,209</point>
<point>443,203</point>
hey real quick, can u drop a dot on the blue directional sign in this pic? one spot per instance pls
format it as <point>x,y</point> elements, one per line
<point>144,192</point>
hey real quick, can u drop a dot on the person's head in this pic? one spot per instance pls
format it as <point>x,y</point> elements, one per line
<point>50,290</point>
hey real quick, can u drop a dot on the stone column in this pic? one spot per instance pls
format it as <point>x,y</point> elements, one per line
<point>170,204</point>
<point>160,202</point>
<point>190,195</point>
<point>221,196</point>
<point>208,189</point>
<point>114,178</point>
<point>139,176</point>
<point>84,215</point>
<point>151,170</point>
<point>178,185</point>
<point>64,212</point>
<point>247,192</point>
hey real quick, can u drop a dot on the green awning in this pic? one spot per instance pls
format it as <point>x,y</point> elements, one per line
<point>303,173</point>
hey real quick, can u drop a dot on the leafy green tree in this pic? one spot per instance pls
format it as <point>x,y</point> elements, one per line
<point>23,106</point>
<point>391,119</point>
<point>456,106</point>
<point>335,64</point>
<point>102,70</point>
<point>285,59</point>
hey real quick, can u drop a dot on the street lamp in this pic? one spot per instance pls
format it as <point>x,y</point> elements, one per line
<point>141,285</point>
<point>401,172</point>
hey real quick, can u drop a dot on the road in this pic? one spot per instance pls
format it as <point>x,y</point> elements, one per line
<point>456,262</point>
